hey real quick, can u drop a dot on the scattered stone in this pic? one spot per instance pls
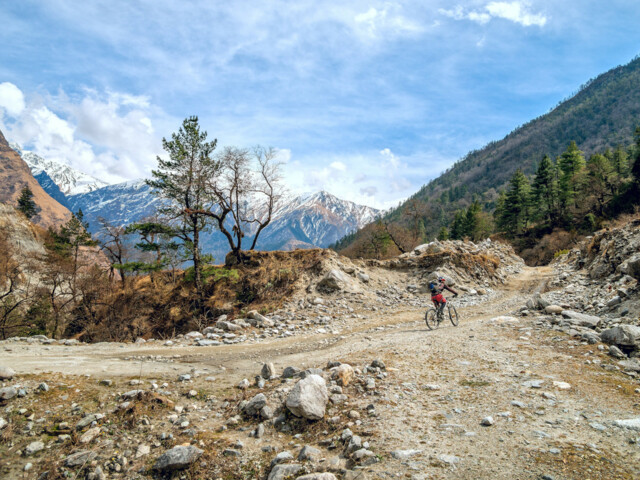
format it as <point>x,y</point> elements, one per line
<point>80,458</point>
<point>106,383</point>
<point>553,309</point>
<point>90,435</point>
<point>281,457</point>
<point>43,387</point>
<point>581,319</point>
<point>562,385</point>
<point>309,453</point>
<point>290,372</point>
<point>3,423</point>
<point>448,459</point>
<point>177,458</point>
<point>404,454</point>
<point>487,421</point>
<point>6,373</point>
<point>631,424</point>
<point>624,335</point>
<point>33,448</point>
<point>243,385</point>
<point>282,472</point>
<point>318,476</point>
<point>255,405</point>
<point>343,374</point>
<point>268,371</point>
<point>7,393</point>
<point>142,450</point>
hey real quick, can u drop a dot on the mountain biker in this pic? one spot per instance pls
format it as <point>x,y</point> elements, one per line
<point>436,288</point>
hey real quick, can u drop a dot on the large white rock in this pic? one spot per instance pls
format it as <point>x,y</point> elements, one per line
<point>336,280</point>
<point>308,398</point>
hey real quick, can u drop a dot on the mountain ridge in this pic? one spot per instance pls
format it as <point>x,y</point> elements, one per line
<point>602,114</point>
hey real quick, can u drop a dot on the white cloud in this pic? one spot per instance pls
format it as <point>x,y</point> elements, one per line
<point>110,136</point>
<point>11,99</point>
<point>516,11</point>
<point>338,166</point>
<point>385,21</point>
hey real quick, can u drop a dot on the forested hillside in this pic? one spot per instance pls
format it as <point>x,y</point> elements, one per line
<point>602,115</point>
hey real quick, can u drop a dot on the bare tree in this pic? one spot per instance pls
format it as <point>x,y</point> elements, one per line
<point>247,192</point>
<point>112,241</point>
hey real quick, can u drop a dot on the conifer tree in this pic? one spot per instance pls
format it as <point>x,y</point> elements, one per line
<point>516,204</point>
<point>545,190</point>
<point>572,166</point>
<point>620,162</point>
<point>26,204</point>
<point>182,180</point>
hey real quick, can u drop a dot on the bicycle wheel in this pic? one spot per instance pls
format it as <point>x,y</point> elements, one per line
<point>431,319</point>
<point>453,315</point>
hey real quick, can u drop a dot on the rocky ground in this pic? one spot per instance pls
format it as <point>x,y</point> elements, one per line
<point>346,381</point>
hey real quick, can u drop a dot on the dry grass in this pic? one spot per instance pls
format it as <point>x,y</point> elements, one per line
<point>578,463</point>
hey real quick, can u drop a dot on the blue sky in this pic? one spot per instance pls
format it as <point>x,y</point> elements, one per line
<point>366,99</point>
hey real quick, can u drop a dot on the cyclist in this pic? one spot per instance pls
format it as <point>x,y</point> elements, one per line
<point>437,298</point>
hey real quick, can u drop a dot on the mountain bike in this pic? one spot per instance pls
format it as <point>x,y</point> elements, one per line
<point>434,316</point>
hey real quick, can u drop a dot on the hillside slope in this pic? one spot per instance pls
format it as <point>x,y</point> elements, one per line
<point>15,175</point>
<point>603,114</point>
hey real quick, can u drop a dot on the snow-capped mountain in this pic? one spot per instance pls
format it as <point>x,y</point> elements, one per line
<point>119,204</point>
<point>305,221</point>
<point>317,219</point>
<point>69,180</point>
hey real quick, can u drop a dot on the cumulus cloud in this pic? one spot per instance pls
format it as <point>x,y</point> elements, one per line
<point>338,166</point>
<point>11,99</point>
<point>110,136</point>
<point>516,11</point>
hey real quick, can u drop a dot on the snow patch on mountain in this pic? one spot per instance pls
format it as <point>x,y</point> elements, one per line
<point>69,180</point>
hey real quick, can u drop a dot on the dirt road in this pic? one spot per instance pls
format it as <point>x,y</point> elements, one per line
<point>551,402</point>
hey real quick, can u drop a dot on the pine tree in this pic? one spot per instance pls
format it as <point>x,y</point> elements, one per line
<point>183,181</point>
<point>572,166</point>
<point>545,191</point>
<point>26,204</point>
<point>443,234</point>
<point>458,229</point>
<point>620,162</point>
<point>515,216</point>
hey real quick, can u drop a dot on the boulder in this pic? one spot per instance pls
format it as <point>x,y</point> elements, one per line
<point>177,458</point>
<point>622,335</point>
<point>581,319</point>
<point>336,280</point>
<point>631,266</point>
<point>343,374</point>
<point>254,406</point>
<point>308,398</point>
<point>363,277</point>
<point>6,373</point>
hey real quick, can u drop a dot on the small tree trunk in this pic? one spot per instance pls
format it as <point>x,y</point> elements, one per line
<point>197,266</point>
